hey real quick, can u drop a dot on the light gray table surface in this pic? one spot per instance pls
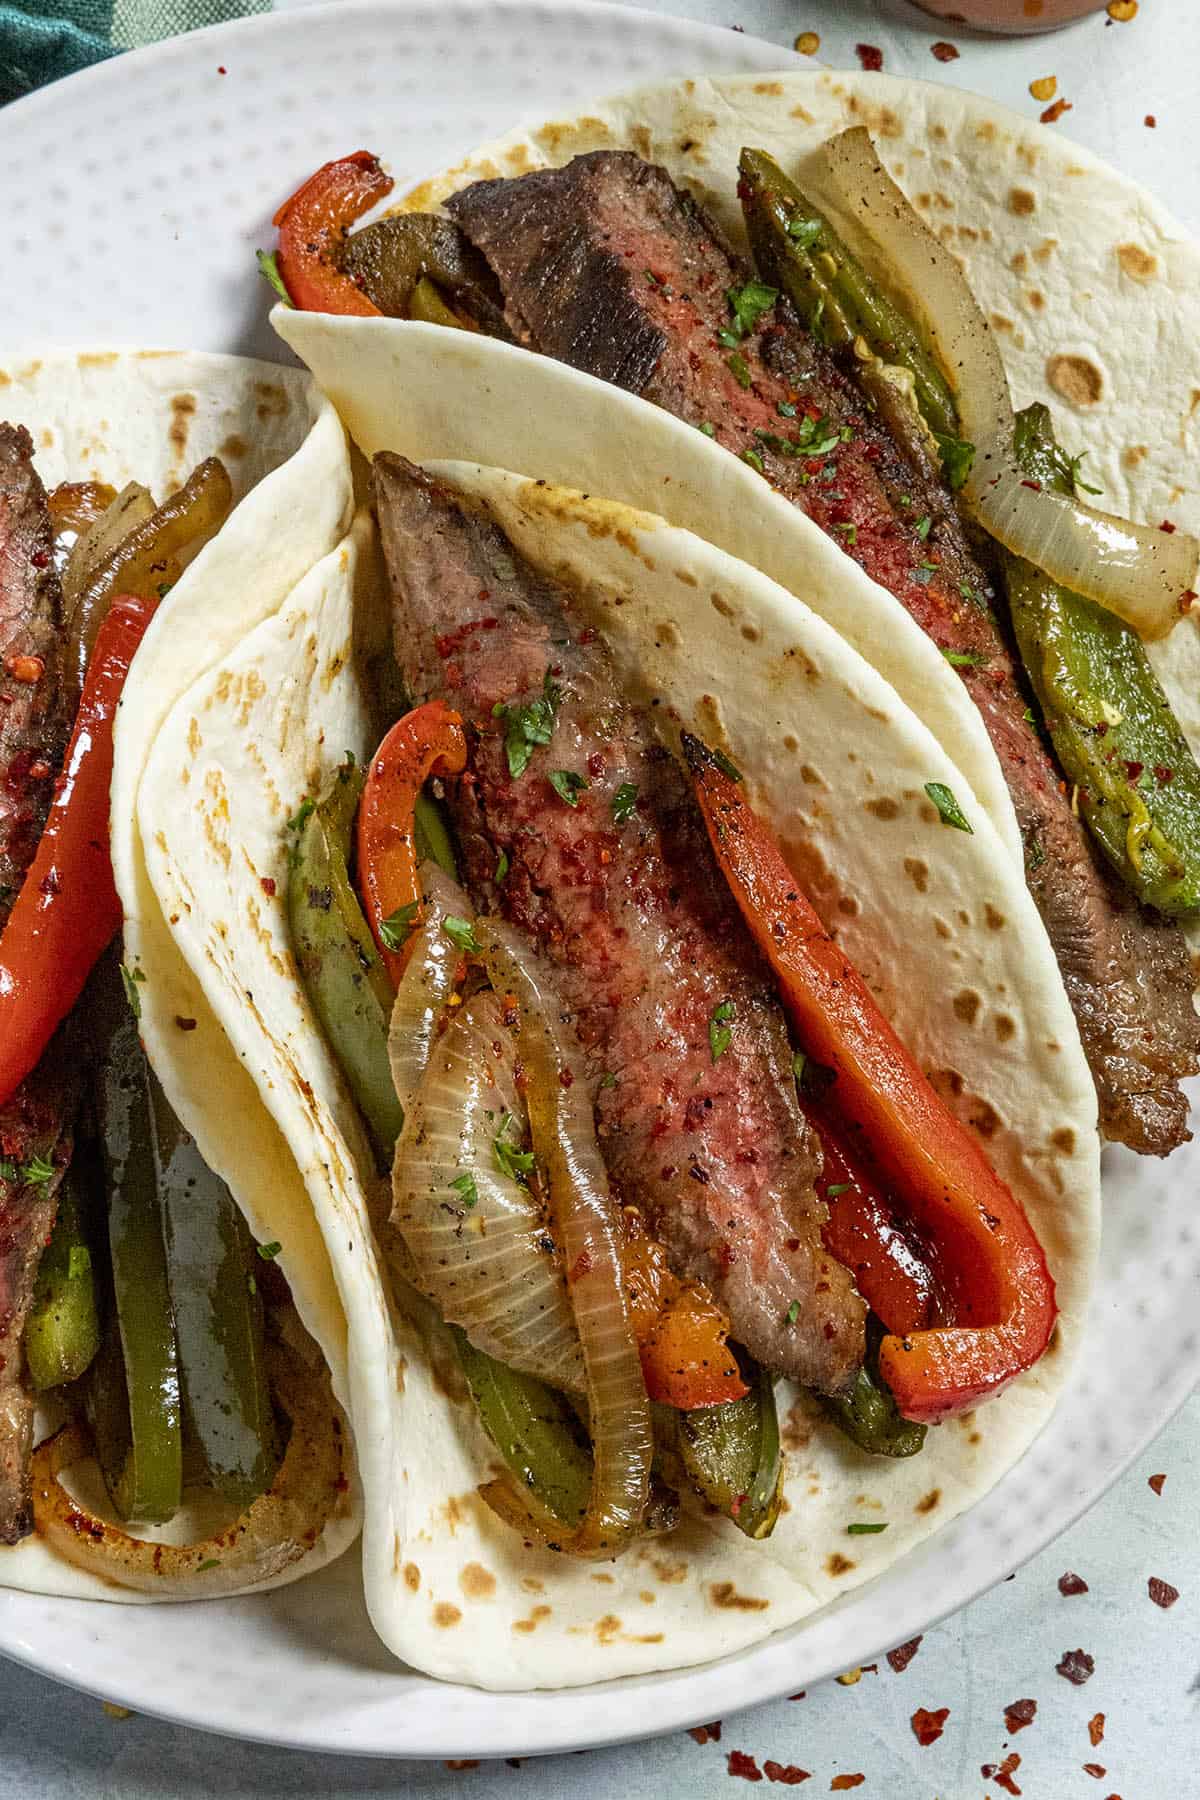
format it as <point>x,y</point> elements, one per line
<point>57,1745</point>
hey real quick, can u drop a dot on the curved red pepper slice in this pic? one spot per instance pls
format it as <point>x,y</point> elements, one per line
<point>892,1273</point>
<point>992,1267</point>
<point>427,741</point>
<point>67,911</point>
<point>311,227</point>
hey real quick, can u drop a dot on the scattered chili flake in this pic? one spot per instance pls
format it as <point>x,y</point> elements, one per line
<point>1161,1592</point>
<point>1056,111</point>
<point>1134,770</point>
<point>267,885</point>
<point>869,55</point>
<point>1044,88</point>
<point>1076,1666</point>
<point>841,1783</point>
<point>902,1655</point>
<point>744,1766</point>
<point>1150,120</point>
<point>1168,527</point>
<point>1122,10</point>
<point>1020,1714</point>
<point>707,1734</point>
<point>945,52</point>
<point>788,1773</point>
<point>929,1726</point>
<point>1162,774</point>
<point>1156,1482</point>
<point>808,43</point>
<point>1096,1729</point>
<point>467,1762</point>
<point>802,1695</point>
<point>1096,1770</point>
<point>1069,1584</point>
<point>221,69</point>
<point>1002,1773</point>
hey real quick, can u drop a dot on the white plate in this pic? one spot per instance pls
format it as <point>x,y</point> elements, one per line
<point>135,195</point>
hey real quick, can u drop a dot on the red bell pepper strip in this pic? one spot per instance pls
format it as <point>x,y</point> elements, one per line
<point>427,741</point>
<point>311,227</point>
<point>992,1268</point>
<point>892,1272</point>
<point>67,911</point>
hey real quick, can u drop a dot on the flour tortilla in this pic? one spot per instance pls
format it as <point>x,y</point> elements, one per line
<point>1092,289</point>
<point>939,921</point>
<point>150,417</point>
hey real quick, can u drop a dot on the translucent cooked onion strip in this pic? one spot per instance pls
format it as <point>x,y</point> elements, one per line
<point>427,983</point>
<point>479,1242</point>
<point>280,1527</point>
<point>588,1232</point>
<point>1145,576</point>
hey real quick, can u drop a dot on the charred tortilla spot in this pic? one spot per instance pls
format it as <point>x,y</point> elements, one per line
<point>1076,378</point>
<point>882,808</point>
<point>1064,1139</point>
<point>1137,263</point>
<point>476,1582</point>
<point>917,872</point>
<point>724,1594</point>
<point>1021,202</point>
<point>412,1576</point>
<point>837,1564</point>
<point>967,1005</point>
<point>446,1616</point>
<point>929,1501</point>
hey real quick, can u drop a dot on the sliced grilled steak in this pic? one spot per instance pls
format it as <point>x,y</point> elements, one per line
<point>635,922</point>
<point>605,265</point>
<point>31,738</point>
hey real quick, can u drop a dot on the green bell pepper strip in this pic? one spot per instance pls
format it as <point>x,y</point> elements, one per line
<point>533,1428</point>
<point>62,1328</point>
<point>1117,740</point>
<point>137,1423</point>
<point>731,1454</point>
<point>869,1415</point>
<point>228,1416</point>
<point>797,249</point>
<point>339,964</point>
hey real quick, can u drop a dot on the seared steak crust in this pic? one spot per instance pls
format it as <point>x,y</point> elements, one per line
<point>634,920</point>
<point>31,737</point>
<point>606,265</point>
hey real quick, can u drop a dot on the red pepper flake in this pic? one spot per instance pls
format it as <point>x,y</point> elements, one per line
<point>185,1024</point>
<point>40,559</point>
<point>1096,1770</point>
<point>869,55</point>
<point>707,1734</point>
<point>221,69</point>
<point>929,1726</point>
<point>1134,770</point>
<point>1167,527</point>
<point>1069,1584</point>
<point>744,1766</point>
<point>1076,1666</point>
<point>842,1783</point>
<point>465,1763</point>
<point>945,52</point>
<point>1162,774</point>
<point>1096,1729</point>
<point>1020,1714</point>
<point>1002,1773</point>
<point>902,1655</point>
<point>1056,111</point>
<point>1156,1482</point>
<point>26,669</point>
<point>1150,120</point>
<point>802,1695</point>
<point>789,1774</point>
<point>1035,485</point>
<point>267,885</point>
<point>1161,1592</point>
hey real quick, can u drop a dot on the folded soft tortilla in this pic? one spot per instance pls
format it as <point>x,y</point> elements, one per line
<point>151,417</point>
<point>939,921</point>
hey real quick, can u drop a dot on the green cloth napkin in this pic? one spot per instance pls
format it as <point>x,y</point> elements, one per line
<point>43,39</point>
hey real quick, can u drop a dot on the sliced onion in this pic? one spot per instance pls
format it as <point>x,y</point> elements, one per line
<point>1144,575</point>
<point>588,1231</point>
<point>482,1251</point>
<point>427,983</point>
<point>276,1530</point>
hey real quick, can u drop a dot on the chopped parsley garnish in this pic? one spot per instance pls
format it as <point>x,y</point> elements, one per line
<point>251,1286</point>
<point>838,1187</point>
<point>1035,854</point>
<point>461,932</point>
<point>922,527</point>
<point>861,1528</point>
<point>398,927</point>
<point>270,1251</point>
<point>129,981</point>
<point>608,1079</point>
<point>726,767</point>
<point>747,304</point>
<point>709,431</point>
<point>567,785</point>
<point>8,1171</point>
<point>965,659</point>
<point>754,459</point>
<point>958,457</point>
<point>300,817</point>
<point>79,1262</point>
<point>804,232</point>
<point>624,803</point>
<point>798,1061</point>
<point>1067,469</point>
<point>950,811</point>
<point>464,1187</point>
<point>849,532</point>
<point>968,592</point>
<point>268,268</point>
<point>525,727</point>
<point>740,371</point>
<point>501,867</point>
<point>720,1034</point>
<point>517,1164</point>
<point>37,1171</point>
<point>786,409</point>
<point>792,1313</point>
